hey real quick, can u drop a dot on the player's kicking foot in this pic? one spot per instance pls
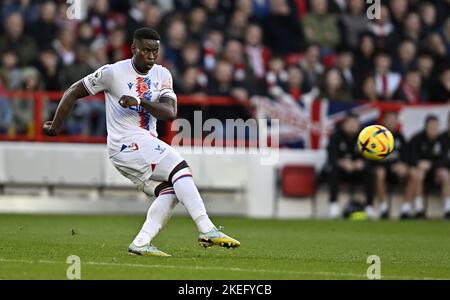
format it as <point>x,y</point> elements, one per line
<point>217,238</point>
<point>147,250</point>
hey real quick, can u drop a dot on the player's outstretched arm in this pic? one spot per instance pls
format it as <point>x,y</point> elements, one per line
<point>75,92</point>
<point>165,109</point>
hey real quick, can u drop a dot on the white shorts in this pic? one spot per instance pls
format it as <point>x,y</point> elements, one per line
<point>146,158</point>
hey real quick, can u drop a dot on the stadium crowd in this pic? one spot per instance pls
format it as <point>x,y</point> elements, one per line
<point>230,48</point>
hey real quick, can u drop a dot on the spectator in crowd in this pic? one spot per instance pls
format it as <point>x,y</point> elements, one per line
<point>283,33</point>
<point>176,37</point>
<point>224,84</point>
<point>23,108</point>
<point>345,63</point>
<point>312,66</point>
<point>425,66</point>
<point>436,46</point>
<point>399,10</point>
<point>10,67</point>
<point>257,54</point>
<point>212,48</point>
<point>6,115</point>
<point>293,88</point>
<point>353,23</point>
<point>79,69</point>
<point>364,57</point>
<point>394,168</point>
<point>428,18</point>
<point>44,30</point>
<point>191,55</point>
<point>65,46</point>
<point>197,23</point>
<point>406,55</point>
<point>427,160</point>
<point>387,82</point>
<point>118,49</point>
<point>276,75</point>
<point>86,35</point>
<point>441,91</point>
<point>50,69</point>
<point>411,90</point>
<point>333,87</point>
<point>412,29</point>
<point>14,40</point>
<point>153,17</point>
<point>369,91</point>
<point>445,140</point>
<point>135,18</point>
<point>384,30</point>
<point>446,35</point>
<point>346,163</point>
<point>193,82</point>
<point>320,27</point>
<point>237,26</point>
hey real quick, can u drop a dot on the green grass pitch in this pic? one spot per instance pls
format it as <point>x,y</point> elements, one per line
<point>36,247</point>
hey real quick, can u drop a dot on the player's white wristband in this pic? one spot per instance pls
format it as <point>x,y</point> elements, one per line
<point>138,100</point>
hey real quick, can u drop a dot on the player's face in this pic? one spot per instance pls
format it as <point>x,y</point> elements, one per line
<point>146,53</point>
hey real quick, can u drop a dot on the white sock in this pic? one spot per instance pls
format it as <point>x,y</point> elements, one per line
<point>384,206</point>
<point>406,207</point>
<point>157,216</point>
<point>418,203</point>
<point>188,194</point>
<point>447,204</point>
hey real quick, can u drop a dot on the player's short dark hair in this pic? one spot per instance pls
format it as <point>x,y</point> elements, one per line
<point>147,34</point>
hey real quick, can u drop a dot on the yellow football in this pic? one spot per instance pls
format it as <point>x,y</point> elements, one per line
<point>375,142</point>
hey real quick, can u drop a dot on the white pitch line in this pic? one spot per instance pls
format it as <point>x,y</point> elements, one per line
<point>215,269</point>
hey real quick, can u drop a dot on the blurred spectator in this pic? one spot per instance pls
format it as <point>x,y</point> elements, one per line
<point>428,14</point>
<point>346,163</point>
<point>387,82</point>
<point>399,9</point>
<point>393,169</point>
<point>242,72</point>
<point>384,30</point>
<point>364,57</point>
<point>153,16</point>
<point>197,23</point>
<point>406,55</point>
<point>65,46</point>
<point>237,26</point>
<point>311,65</point>
<point>446,35</point>
<point>441,91</point>
<point>191,56</point>
<point>86,34</point>
<point>333,87</point>
<point>412,29</point>
<point>135,18</point>
<point>353,23</point>
<point>276,75</point>
<point>445,140</point>
<point>50,69</point>
<point>176,37</point>
<point>23,108</point>
<point>369,90</point>
<point>15,40</point>
<point>222,82</point>
<point>257,55</point>
<point>215,12</point>
<point>212,47</point>
<point>320,28</point>
<point>11,70</point>
<point>344,63</point>
<point>6,115</point>
<point>425,65</point>
<point>44,30</point>
<point>437,48</point>
<point>427,160</point>
<point>98,53</point>
<point>79,69</point>
<point>283,33</point>
<point>411,90</point>
<point>118,49</point>
<point>193,82</point>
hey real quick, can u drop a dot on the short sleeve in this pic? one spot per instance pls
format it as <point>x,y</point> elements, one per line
<point>98,81</point>
<point>167,85</point>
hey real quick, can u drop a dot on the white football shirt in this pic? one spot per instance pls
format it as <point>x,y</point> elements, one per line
<point>121,79</point>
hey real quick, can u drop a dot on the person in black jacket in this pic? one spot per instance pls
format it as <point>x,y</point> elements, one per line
<point>394,168</point>
<point>347,164</point>
<point>445,139</point>
<point>427,160</point>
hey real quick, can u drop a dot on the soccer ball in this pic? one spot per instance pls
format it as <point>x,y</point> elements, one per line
<point>375,142</point>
